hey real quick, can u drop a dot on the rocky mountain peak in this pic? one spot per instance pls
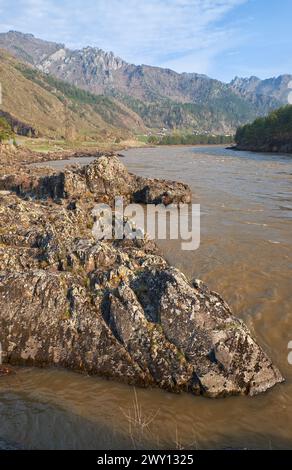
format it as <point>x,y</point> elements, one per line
<point>107,59</point>
<point>161,97</point>
<point>276,88</point>
<point>27,47</point>
<point>239,81</point>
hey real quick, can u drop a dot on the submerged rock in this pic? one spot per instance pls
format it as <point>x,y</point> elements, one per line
<point>113,308</point>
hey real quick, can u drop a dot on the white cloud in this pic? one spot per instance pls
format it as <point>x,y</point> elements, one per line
<point>154,30</point>
<point>183,34</point>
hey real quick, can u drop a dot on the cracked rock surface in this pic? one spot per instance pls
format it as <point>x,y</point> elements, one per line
<point>116,309</point>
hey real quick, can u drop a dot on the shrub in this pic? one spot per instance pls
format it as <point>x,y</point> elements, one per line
<point>5,130</point>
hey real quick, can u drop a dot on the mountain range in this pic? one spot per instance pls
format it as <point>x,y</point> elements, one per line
<point>38,104</point>
<point>146,97</point>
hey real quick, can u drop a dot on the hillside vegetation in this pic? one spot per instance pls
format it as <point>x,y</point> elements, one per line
<point>38,104</point>
<point>216,115</point>
<point>270,134</point>
<point>5,129</point>
<point>158,98</point>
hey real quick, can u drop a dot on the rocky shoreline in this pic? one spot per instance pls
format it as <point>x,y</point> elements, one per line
<point>115,309</point>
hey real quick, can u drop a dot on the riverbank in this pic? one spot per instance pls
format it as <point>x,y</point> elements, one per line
<point>274,147</point>
<point>41,150</point>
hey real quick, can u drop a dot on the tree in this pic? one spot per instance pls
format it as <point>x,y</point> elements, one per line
<point>5,130</point>
<point>269,132</point>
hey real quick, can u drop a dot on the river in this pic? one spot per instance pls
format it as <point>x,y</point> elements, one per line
<point>246,255</point>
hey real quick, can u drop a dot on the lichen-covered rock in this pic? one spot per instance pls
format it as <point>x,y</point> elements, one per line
<point>113,308</point>
<point>104,180</point>
<point>161,192</point>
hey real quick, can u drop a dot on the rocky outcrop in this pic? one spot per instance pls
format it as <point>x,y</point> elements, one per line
<point>113,308</point>
<point>104,180</point>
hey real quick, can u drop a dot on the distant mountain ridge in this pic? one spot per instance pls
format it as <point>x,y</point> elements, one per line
<point>276,88</point>
<point>35,103</point>
<point>161,97</point>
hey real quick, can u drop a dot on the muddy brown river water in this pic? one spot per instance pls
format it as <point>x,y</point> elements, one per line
<point>246,255</point>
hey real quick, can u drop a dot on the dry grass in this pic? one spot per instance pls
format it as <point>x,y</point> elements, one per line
<point>143,429</point>
<point>46,145</point>
<point>53,113</point>
<point>139,424</point>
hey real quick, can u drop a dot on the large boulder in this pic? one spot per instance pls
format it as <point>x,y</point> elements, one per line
<point>104,180</point>
<point>113,308</point>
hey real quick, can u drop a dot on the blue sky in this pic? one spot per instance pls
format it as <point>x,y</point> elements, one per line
<point>221,38</point>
